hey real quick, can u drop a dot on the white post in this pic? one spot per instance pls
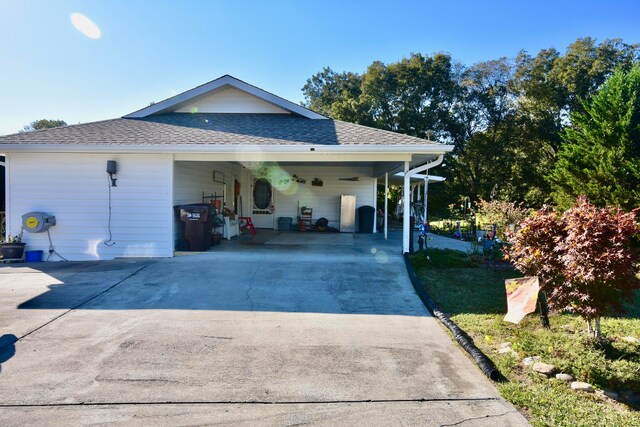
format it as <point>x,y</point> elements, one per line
<point>406,210</point>
<point>426,197</point>
<point>386,203</point>
<point>375,204</point>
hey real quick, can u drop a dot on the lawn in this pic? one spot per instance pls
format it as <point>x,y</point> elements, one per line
<point>473,295</point>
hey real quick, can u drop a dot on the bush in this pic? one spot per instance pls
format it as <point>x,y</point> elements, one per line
<point>584,259</point>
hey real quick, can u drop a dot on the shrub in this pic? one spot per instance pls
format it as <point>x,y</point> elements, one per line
<point>584,259</point>
<point>501,213</point>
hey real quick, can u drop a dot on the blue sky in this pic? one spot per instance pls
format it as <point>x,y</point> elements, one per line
<point>150,50</point>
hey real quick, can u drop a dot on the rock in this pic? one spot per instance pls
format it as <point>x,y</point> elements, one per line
<point>632,340</point>
<point>565,377</point>
<point>580,386</point>
<point>544,368</point>
<point>505,345</point>
<point>528,361</point>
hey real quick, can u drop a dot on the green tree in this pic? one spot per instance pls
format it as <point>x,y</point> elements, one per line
<point>600,157</point>
<point>43,124</point>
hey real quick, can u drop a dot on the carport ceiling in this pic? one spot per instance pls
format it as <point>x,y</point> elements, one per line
<point>379,168</point>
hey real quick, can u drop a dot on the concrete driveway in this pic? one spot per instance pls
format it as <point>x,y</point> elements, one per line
<point>260,336</point>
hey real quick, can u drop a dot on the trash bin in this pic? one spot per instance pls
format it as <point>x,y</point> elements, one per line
<point>195,226</point>
<point>284,223</point>
<point>366,215</point>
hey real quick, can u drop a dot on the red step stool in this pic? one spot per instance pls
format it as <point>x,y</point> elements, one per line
<point>247,224</point>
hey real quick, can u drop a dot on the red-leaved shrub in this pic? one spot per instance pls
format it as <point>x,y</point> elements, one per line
<point>583,258</point>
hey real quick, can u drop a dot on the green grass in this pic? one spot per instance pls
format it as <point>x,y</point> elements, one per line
<point>474,297</point>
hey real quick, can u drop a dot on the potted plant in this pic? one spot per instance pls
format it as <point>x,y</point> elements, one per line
<point>13,247</point>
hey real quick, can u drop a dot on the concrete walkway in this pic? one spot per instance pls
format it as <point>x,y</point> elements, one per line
<point>278,335</point>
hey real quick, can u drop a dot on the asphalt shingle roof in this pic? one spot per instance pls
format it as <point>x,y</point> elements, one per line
<point>214,129</point>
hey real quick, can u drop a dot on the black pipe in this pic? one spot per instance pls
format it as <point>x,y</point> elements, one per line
<point>484,363</point>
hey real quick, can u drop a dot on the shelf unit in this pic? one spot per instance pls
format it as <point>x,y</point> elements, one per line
<point>306,219</point>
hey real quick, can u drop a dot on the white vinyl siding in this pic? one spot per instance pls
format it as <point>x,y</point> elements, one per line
<point>73,188</point>
<point>231,100</point>
<point>324,200</point>
<point>192,179</point>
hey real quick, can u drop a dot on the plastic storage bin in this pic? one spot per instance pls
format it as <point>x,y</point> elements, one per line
<point>284,223</point>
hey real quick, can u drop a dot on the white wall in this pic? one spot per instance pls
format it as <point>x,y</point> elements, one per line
<point>191,179</point>
<point>325,200</point>
<point>73,187</point>
<point>231,100</point>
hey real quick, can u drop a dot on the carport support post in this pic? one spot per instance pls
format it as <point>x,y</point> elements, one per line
<point>426,197</point>
<point>375,205</point>
<point>386,203</point>
<point>406,209</point>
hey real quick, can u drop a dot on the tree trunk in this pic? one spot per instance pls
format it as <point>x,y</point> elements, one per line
<point>594,331</point>
<point>543,308</point>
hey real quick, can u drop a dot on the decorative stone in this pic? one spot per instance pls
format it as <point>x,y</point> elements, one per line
<point>544,368</point>
<point>505,345</point>
<point>580,386</point>
<point>528,361</point>
<point>505,350</point>
<point>565,377</point>
<point>632,340</point>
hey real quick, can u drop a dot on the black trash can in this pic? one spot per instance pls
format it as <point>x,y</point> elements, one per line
<point>366,216</point>
<point>195,226</point>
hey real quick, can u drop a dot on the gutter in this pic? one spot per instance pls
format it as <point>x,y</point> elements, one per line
<point>408,173</point>
<point>436,149</point>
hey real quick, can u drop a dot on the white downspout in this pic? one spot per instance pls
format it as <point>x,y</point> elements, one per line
<point>407,208</point>
<point>426,197</point>
<point>386,203</point>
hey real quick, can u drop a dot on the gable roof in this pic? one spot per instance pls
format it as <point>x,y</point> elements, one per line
<point>199,130</point>
<point>176,102</point>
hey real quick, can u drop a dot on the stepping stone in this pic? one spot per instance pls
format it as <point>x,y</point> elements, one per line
<point>528,361</point>
<point>544,368</point>
<point>565,377</point>
<point>580,386</point>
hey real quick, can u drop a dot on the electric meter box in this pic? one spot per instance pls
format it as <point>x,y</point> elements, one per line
<point>37,222</point>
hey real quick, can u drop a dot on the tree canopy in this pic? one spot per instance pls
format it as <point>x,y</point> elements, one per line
<point>506,117</point>
<point>43,124</point>
<point>600,156</point>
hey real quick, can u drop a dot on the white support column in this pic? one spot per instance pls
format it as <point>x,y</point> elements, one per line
<point>426,197</point>
<point>406,210</point>
<point>386,204</point>
<point>375,204</point>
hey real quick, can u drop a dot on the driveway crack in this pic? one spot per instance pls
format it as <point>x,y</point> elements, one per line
<point>478,418</point>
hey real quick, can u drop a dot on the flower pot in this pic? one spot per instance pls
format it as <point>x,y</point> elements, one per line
<point>12,251</point>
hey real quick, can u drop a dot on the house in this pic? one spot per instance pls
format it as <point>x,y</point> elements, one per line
<point>224,138</point>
